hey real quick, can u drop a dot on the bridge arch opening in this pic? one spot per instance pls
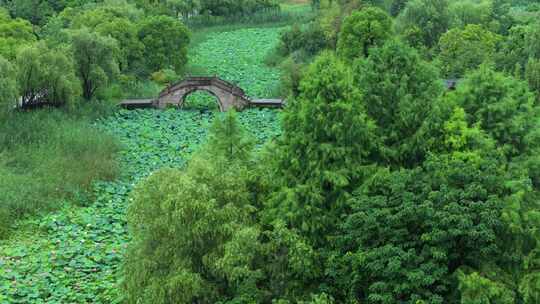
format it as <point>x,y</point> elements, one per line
<point>201,99</point>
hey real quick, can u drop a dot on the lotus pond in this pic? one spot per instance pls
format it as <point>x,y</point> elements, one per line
<point>74,255</point>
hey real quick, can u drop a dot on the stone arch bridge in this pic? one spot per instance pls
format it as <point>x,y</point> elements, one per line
<point>227,94</point>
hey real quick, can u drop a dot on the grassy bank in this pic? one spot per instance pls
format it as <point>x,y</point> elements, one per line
<point>50,157</point>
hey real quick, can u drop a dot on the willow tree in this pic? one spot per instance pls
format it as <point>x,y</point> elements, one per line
<point>95,60</point>
<point>46,76</point>
<point>14,34</point>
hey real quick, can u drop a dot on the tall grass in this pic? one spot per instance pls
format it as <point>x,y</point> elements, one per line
<point>141,89</point>
<point>49,157</point>
<point>270,16</point>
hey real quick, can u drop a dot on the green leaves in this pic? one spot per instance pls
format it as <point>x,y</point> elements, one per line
<point>503,107</point>
<point>422,22</point>
<point>327,139</point>
<point>74,259</point>
<point>14,33</point>
<point>8,86</point>
<point>78,254</point>
<point>165,41</point>
<point>465,49</point>
<point>193,234</point>
<point>238,57</point>
<point>228,139</point>
<point>362,30</point>
<point>400,90</point>
<point>95,59</point>
<point>46,76</point>
<point>411,229</point>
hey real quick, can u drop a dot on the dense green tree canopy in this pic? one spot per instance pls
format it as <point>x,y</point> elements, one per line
<point>502,18</point>
<point>303,42</point>
<point>327,139</point>
<point>410,230</point>
<point>226,7</point>
<point>185,8</point>
<point>14,33</point>
<point>477,289</point>
<point>35,11</point>
<point>422,22</point>
<point>381,188</point>
<point>463,50</point>
<point>363,29</point>
<point>106,22</point>
<point>399,90</point>
<point>186,239</point>
<point>465,12</point>
<point>193,233</point>
<point>229,140</point>
<point>165,41</point>
<point>522,43</point>
<point>532,75</point>
<point>95,60</point>
<point>397,6</point>
<point>46,76</point>
<point>39,11</point>
<point>503,106</point>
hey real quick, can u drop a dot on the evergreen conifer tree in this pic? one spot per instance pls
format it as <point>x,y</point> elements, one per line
<point>327,139</point>
<point>400,90</point>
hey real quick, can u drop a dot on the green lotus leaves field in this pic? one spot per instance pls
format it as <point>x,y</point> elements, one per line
<point>238,57</point>
<point>76,255</point>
